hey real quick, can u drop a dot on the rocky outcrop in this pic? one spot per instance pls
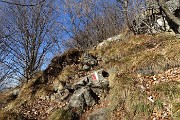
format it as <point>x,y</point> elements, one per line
<point>154,20</point>
<point>109,41</point>
<point>82,98</point>
<point>173,5</point>
<point>86,92</point>
<point>88,61</point>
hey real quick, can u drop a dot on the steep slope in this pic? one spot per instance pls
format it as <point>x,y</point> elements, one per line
<point>143,73</point>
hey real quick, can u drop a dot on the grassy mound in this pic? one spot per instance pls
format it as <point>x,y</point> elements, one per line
<point>142,56</point>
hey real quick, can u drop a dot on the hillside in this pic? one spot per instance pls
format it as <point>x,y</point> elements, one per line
<point>126,77</point>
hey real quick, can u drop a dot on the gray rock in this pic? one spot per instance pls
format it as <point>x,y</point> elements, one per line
<point>86,67</point>
<point>178,36</point>
<point>82,98</point>
<point>163,24</point>
<point>89,98</point>
<point>173,5</point>
<point>88,59</point>
<point>86,91</point>
<point>15,92</point>
<point>97,79</point>
<point>65,95</point>
<point>99,114</point>
<point>159,24</point>
<point>83,82</point>
<point>94,85</point>
<point>58,85</point>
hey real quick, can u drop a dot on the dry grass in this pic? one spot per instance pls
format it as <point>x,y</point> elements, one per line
<point>145,55</point>
<point>128,100</point>
<point>67,72</point>
<point>61,114</point>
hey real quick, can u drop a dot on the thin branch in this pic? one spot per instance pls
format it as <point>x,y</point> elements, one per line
<point>3,1</point>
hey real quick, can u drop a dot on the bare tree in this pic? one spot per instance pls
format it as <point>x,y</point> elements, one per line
<point>91,21</point>
<point>6,74</point>
<point>30,32</point>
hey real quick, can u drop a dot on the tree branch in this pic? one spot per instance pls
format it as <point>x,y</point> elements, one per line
<point>4,1</point>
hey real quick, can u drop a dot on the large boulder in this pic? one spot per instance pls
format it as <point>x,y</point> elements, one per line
<point>87,90</point>
<point>153,20</point>
<point>82,98</point>
<point>84,93</point>
<point>163,24</point>
<point>97,79</point>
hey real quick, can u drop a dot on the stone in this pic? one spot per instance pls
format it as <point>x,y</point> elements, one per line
<point>83,82</point>
<point>178,36</point>
<point>88,59</point>
<point>58,85</point>
<point>86,67</point>
<point>65,94</point>
<point>99,79</point>
<point>173,5</point>
<point>115,38</point>
<point>52,97</point>
<point>163,24</point>
<point>144,24</point>
<point>109,40</point>
<point>96,79</point>
<point>15,92</point>
<point>86,91</point>
<point>82,98</point>
<point>102,44</point>
<point>99,114</point>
